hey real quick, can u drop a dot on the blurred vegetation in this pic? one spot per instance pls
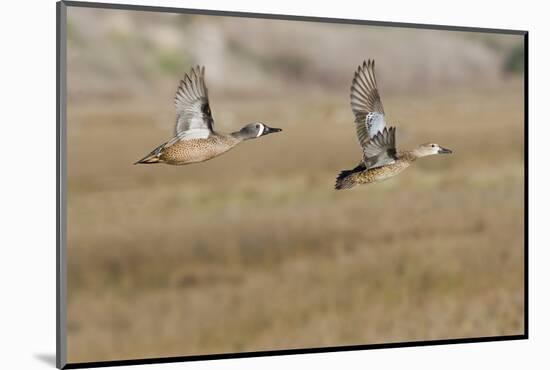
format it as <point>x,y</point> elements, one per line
<point>245,55</point>
<point>171,62</point>
<point>254,250</point>
<point>74,37</point>
<point>515,60</point>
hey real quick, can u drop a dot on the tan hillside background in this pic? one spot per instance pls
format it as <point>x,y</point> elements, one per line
<point>254,250</point>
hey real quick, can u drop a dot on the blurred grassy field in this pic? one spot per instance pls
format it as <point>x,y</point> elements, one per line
<point>254,250</point>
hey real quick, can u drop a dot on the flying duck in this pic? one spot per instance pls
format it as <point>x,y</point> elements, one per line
<point>194,137</point>
<point>381,160</point>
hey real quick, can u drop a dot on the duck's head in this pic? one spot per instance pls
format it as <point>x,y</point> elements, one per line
<point>430,149</point>
<point>256,129</point>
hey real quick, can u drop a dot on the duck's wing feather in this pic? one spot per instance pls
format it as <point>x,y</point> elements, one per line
<point>380,150</point>
<point>366,104</point>
<point>193,116</point>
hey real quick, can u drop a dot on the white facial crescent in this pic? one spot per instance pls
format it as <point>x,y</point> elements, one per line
<point>261,130</point>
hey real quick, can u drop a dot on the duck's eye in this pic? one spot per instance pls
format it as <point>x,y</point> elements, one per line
<point>433,145</point>
<point>257,126</point>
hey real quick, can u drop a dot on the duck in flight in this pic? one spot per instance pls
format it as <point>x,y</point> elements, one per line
<point>194,137</point>
<point>381,160</point>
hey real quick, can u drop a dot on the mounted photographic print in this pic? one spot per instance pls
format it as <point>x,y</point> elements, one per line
<point>235,184</point>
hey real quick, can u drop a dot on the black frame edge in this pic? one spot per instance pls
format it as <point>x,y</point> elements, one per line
<point>526,182</point>
<point>160,360</point>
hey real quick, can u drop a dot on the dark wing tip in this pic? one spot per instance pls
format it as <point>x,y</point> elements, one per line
<point>197,70</point>
<point>192,85</point>
<point>367,64</point>
<point>196,73</point>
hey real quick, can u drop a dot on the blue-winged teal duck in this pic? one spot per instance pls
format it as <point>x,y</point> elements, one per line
<point>381,160</point>
<point>194,138</point>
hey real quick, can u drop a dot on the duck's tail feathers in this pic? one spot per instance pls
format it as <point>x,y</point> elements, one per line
<point>343,181</point>
<point>153,157</point>
<point>345,178</point>
<point>148,160</point>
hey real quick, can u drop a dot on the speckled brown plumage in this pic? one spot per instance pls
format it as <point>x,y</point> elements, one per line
<point>197,150</point>
<point>381,160</point>
<point>348,179</point>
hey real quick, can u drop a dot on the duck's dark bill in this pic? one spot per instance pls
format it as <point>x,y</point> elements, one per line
<point>270,130</point>
<point>444,151</point>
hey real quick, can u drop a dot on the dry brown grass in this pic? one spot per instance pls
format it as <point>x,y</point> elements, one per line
<point>255,251</point>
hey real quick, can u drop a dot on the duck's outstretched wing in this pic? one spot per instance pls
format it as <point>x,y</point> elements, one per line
<point>193,116</point>
<point>366,104</point>
<point>380,150</point>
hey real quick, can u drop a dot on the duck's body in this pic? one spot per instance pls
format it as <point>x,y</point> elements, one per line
<point>381,160</point>
<point>192,150</point>
<point>198,150</point>
<point>361,175</point>
<point>195,139</point>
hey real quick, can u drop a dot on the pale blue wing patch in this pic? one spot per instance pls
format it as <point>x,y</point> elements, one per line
<point>375,123</point>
